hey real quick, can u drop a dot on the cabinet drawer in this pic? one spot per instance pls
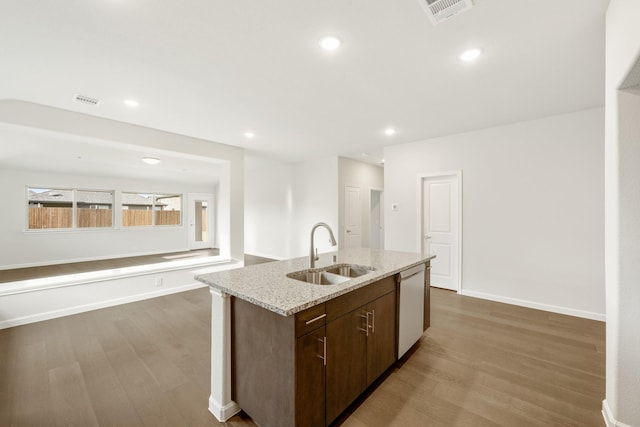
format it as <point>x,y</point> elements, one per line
<point>310,319</point>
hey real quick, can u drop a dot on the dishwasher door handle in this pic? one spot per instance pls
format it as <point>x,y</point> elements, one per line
<point>408,277</point>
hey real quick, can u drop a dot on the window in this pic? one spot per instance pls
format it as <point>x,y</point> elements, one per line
<point>94,209</point>
<point>142,209</point>
<point>51,208</point>
<point>167,209</point>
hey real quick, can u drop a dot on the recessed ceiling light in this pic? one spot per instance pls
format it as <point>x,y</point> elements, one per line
<point>132,103</point>
<point>151,160</point>
<point>389,131</point>
<point>470,55</point>
<point>330,43</point>
<point>249,134</point>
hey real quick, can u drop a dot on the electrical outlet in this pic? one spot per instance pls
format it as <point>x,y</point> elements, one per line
<point>159,282</point>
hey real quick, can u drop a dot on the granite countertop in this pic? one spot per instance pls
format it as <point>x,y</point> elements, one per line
<point>268,286</point>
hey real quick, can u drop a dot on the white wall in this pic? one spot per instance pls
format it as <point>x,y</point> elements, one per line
<point>21,248</point>
<point>622,216</point>
<point>268,210</point>
<point>314,200</point>
<point>230,195</point>
<point>284,201</point>
<point>532,208</point>
<point>366,177</point>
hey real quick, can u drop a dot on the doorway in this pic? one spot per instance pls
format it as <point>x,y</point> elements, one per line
<point>201,222</point>
<point>352,217</point>
<point>376,232</point>
<point>441,228</point>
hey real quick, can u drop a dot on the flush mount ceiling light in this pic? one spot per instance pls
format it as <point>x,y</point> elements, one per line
<point>330,43</point>
<point>151,160</point>
<point>389,131</point>
<point>470,55</point>
<point>131,103</point>
<point>249,134</point>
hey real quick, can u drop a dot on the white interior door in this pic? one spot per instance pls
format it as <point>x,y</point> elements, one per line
<point>200,225</point>
<point>441,229</point>
<point>352,217</point>
<point>377,231</point>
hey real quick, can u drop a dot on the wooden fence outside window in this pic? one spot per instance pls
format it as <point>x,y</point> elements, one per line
<point>52,218</point>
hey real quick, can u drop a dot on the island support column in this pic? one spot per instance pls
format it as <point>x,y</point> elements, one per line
<point>220,403</point>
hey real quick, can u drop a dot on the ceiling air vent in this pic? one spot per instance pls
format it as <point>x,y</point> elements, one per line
<point>441,10</point>
<point>86,100</point>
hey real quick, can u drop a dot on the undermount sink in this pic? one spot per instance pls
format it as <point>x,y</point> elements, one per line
<point>331,275</point>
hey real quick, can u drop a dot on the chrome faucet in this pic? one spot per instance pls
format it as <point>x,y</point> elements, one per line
<point>313,252</point>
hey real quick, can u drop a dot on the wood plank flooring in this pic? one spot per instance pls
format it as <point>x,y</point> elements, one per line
<point>148,364</point>
<point>489,364</point>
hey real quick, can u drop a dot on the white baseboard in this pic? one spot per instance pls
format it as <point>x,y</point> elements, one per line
<point>95,306</point>
<point>223,413</point>
<point>609,420</point>
<point>538,306</point>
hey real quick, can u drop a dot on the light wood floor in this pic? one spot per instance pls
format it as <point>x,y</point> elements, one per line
<point>147,364</point>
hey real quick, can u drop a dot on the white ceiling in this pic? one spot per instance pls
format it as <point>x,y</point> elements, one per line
<point>213,69</point>
<point>38,150</point>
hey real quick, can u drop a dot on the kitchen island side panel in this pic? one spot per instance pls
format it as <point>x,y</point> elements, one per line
<point>263,340</point>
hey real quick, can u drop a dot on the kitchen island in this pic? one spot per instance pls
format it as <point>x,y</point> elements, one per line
<point>294,342</point>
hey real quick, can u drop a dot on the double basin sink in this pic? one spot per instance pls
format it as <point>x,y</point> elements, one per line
<point>331,275</point>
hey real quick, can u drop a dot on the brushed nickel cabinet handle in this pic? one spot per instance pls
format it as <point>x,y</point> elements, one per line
<point>324,350</point>
<point>373,321</point>
<point>366,328</point>
<point>322,316</point>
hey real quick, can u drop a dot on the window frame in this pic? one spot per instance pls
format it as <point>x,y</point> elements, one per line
<point>152,208</point>
<point>74,209</point>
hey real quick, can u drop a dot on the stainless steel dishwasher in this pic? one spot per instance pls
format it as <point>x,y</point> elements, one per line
<point>411,307</point>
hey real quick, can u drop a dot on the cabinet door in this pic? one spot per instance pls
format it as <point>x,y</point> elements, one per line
<point>346,361</point>
<point>310,378</point>
<point>381,342</point>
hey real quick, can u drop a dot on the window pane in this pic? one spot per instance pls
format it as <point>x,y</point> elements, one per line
<point>136,209</point>
<point>95,209</point>
<point>168,208</point>
<point>50,208</point>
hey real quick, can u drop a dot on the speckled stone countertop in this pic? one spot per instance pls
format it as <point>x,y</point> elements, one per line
<point>268,286</point>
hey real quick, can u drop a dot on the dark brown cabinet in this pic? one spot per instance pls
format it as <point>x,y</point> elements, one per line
<point>306,369</point>
<point>310,378</point>
<point>363,346</point>
<point>381,342</point>
<point>346,368</point>
<point>361,343</point>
